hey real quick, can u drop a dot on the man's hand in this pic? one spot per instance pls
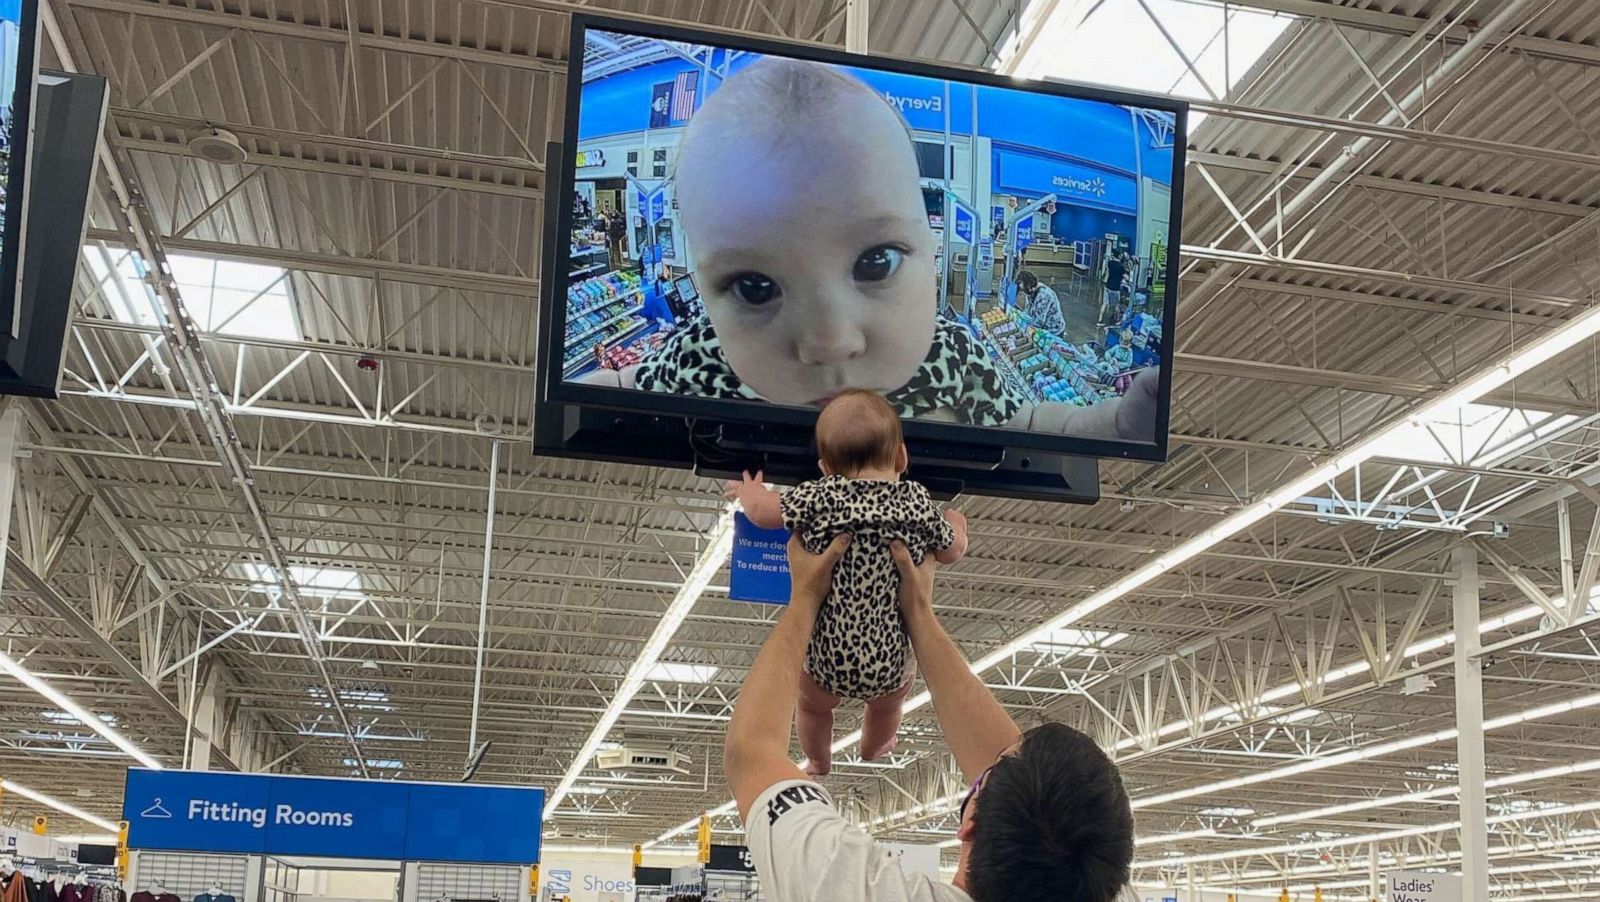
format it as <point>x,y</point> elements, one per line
<point>811,575</point>
<point>916,581</point>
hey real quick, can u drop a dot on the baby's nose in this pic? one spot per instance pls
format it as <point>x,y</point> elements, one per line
<point>831,340</point>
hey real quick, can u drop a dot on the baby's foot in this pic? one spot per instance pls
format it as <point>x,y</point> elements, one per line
<point>818,768</point>
<point>873,754</point>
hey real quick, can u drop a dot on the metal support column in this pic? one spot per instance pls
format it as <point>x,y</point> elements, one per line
<point>1469,723</point>
<point>483,598</point>
<point>1374,886</point>
<point>10,436</point>
<point>856,14</point>
<point>206,710</point>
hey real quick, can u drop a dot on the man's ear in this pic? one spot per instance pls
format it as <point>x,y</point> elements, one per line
<point>967,829</point>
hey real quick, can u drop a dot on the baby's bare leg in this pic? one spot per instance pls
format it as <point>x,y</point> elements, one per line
<point>882,723</point>
<point>813,721</point>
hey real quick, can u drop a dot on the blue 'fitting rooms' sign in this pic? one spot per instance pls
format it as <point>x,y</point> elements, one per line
<point>331,818</point>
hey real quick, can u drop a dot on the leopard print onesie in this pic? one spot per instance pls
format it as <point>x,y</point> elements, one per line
<point>859,648</point>
<point>957,375</point>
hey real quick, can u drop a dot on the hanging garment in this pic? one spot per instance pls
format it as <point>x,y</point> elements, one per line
<point>207,897</point>
<point>17,889</point>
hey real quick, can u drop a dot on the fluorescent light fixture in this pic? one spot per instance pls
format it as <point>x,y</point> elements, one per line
<point>1161,838</point>
<point>681,673</point>
<point>106,730</point>
<point>58,805</point>
<point>1428,795</point>
<point>1226,811</point>
<point>588,790</point>
<point>93,839</point>
<point>1332,842</point>
<point>719,544</point>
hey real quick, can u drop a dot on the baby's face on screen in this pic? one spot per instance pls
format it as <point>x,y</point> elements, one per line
<point>811,246</point>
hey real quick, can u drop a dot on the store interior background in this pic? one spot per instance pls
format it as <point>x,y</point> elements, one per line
<point>361,286</point>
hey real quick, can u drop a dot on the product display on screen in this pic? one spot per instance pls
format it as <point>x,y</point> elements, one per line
<point>756,227</point>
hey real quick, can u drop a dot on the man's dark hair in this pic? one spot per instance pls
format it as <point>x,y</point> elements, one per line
<point>1027,280</point>
<point>1052,822</point>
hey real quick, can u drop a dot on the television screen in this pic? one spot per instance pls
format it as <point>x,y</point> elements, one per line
<point>18,43</point>
<point>1021,295</point>
<point>88,854</point>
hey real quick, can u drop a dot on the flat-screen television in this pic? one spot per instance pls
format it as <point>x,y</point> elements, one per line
<point>91,854</point>
<point>861,222</point>
<point>19,34</point>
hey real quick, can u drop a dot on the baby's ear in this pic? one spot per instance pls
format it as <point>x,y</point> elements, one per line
<point>823,467</point>
<point>902,459</point>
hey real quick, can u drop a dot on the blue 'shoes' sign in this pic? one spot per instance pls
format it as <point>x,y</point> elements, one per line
<point>387,819</point>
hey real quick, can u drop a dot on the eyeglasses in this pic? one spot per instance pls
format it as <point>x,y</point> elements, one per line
<point>972,793</point>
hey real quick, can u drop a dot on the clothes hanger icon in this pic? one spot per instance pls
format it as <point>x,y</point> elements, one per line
<point>156,811</point>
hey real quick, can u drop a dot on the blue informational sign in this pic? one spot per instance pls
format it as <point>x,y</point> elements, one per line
<point>758,569</point>
<point>1024,232</point>
<point>392,820</point>
<point>658,206</point>
<point>964,224</point>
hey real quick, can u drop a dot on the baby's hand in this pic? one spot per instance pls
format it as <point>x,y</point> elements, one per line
<point>956,519</point>
<point>735,489</point>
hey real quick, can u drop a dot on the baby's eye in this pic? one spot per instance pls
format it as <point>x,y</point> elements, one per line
<point>754,288</point>
<point>878,264</point>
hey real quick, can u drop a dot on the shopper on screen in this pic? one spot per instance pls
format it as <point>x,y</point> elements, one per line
<point>1041,303</point>
<point>1116,273</point>
<point>1047,817</point>
<point>823,284</point>
<point>859,648</point>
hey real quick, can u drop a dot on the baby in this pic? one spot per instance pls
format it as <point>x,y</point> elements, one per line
<point>859,648</point>
<point>798,192</point>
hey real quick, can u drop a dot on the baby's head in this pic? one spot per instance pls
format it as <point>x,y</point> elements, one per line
<point>798,192</point>
<point>858,431</point>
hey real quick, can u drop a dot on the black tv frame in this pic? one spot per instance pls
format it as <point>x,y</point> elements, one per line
<point>552,307</point>
<point>69,119</point>
<point>16,192</point>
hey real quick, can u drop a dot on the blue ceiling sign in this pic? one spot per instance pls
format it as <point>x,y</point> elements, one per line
<point>384,819</point>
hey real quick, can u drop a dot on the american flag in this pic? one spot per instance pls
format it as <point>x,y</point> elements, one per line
<point>683,89</point>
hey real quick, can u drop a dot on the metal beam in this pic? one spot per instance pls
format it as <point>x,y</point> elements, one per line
<point>103,647</point>
<point>138,229</point>
<point>336,264</point>
<point>328,34</point>
<point>1431,190</point>
<point>1404,25</point>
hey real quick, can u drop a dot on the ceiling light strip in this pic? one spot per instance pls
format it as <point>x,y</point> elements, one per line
<point>55,697</point>
<point>1442,792</point>
<point>719,544</point>
<point>58,805</point>
<point>1364,839</point>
